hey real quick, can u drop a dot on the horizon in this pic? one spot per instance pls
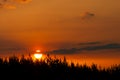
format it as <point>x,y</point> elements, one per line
<point>84,31</point>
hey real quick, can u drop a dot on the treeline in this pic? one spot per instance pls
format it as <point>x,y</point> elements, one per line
<point>53,69</point>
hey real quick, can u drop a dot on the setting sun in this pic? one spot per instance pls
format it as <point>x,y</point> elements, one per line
<point>38,56</point>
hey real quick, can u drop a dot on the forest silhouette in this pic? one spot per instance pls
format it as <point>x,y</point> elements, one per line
<point>49,68</point>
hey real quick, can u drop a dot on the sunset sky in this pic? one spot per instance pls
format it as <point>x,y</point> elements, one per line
<point>79,29</point>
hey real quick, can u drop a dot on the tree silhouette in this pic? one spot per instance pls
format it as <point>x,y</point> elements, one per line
<point>53,69</point>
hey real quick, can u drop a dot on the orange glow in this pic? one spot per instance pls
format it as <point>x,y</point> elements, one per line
<point>38,51</point>
<point>38,56</point>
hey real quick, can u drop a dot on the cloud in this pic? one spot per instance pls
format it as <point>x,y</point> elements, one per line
<point>102,47</point>
<point>65,51</point>
<point>11,4</point>
<point>90,43</point>
<point>87,48</point>
<point>5,0</point>
<point>82,17</point>
<point>1,5</point>
<point>87,15</point>
<point>7,45</point>
<point>8,6</point>
<point>23,1</point>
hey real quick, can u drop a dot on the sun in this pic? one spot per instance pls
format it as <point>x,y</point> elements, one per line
<point>38,56</point>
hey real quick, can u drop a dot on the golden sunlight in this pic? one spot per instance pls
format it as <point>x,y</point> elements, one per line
<point>38,51</point>
<point>38,56</point>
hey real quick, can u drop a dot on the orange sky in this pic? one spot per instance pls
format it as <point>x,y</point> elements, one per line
<point>58,24</point>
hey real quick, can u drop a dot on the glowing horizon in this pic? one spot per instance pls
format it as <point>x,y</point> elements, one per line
<point>38,56</point>
<point>61,27</point>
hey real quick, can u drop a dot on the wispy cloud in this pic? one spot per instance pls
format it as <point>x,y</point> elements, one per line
<point>8,6</point>
<point>90,43</point>
<point>7,45</point>
<point>11,4</point>
<point>111,46</point>
<point>82,17</point>
<point>87,15</point>
<point>23,1</point>
<point>102,47</point>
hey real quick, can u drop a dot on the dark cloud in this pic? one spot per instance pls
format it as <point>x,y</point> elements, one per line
<point>87,15</point>
<point>87,48</point>
<point>102,47</point>
<point>90,43</point>
<point>82,17</point>
<point>65,51</point>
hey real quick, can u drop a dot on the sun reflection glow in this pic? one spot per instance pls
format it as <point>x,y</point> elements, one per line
<point>38,56</point>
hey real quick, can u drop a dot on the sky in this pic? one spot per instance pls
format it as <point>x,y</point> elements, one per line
<point>74,28</point>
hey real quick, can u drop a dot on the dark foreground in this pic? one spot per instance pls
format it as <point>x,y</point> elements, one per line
<point>53,69</point>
